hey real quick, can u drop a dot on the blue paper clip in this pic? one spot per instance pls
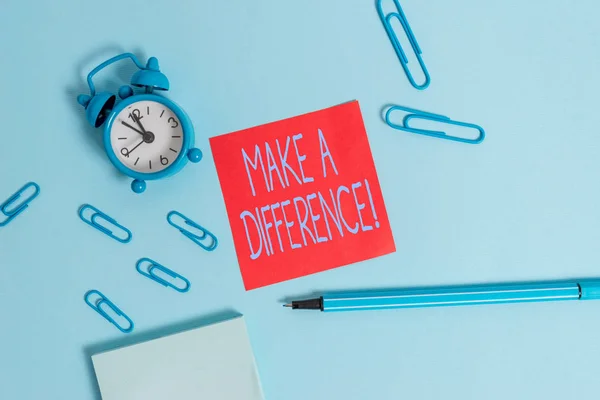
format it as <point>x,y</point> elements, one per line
<point>204,233</point>
<point>386,20</point>
<point>100,215</point>
<point>18,207</point>
<point>427,116</point>
<point>97,306</point>
<point>153,265</point>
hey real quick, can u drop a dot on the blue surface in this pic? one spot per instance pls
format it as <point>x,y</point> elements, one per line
<point>521,206</point>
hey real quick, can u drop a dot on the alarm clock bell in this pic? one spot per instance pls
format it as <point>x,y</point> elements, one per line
<point>97,107</point>
<point>150,77</point>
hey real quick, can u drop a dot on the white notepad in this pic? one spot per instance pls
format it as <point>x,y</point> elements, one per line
<point>213,362</point>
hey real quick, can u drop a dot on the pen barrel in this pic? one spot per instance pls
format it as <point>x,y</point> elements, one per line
<point>452,296</point>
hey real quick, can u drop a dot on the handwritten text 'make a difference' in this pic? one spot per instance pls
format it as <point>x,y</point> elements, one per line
<point>300,221</point>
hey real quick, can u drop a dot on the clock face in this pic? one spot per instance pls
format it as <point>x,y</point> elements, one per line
<point>147,136</point>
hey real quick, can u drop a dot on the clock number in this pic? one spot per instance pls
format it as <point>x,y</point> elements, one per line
<point>164,160</point>
<point>137,113</point>
<point>173,121</point>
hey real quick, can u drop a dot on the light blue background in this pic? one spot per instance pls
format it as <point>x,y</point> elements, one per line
<point>523,205</point>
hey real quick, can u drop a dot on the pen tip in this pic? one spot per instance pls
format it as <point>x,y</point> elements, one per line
<point>287,305</point>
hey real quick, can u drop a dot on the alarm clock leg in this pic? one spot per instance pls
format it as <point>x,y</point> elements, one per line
<point>194,155</point>
<point>138,186</point>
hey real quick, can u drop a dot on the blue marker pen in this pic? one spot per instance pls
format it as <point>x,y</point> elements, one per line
<point>453,296</point>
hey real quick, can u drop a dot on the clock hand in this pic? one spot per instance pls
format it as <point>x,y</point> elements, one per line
<point>137,121</point>
<point>131,127</point>
<point>128,152</point>
<point>138,145</point>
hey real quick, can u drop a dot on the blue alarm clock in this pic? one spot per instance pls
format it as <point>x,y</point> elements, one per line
<point>146,136</point>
